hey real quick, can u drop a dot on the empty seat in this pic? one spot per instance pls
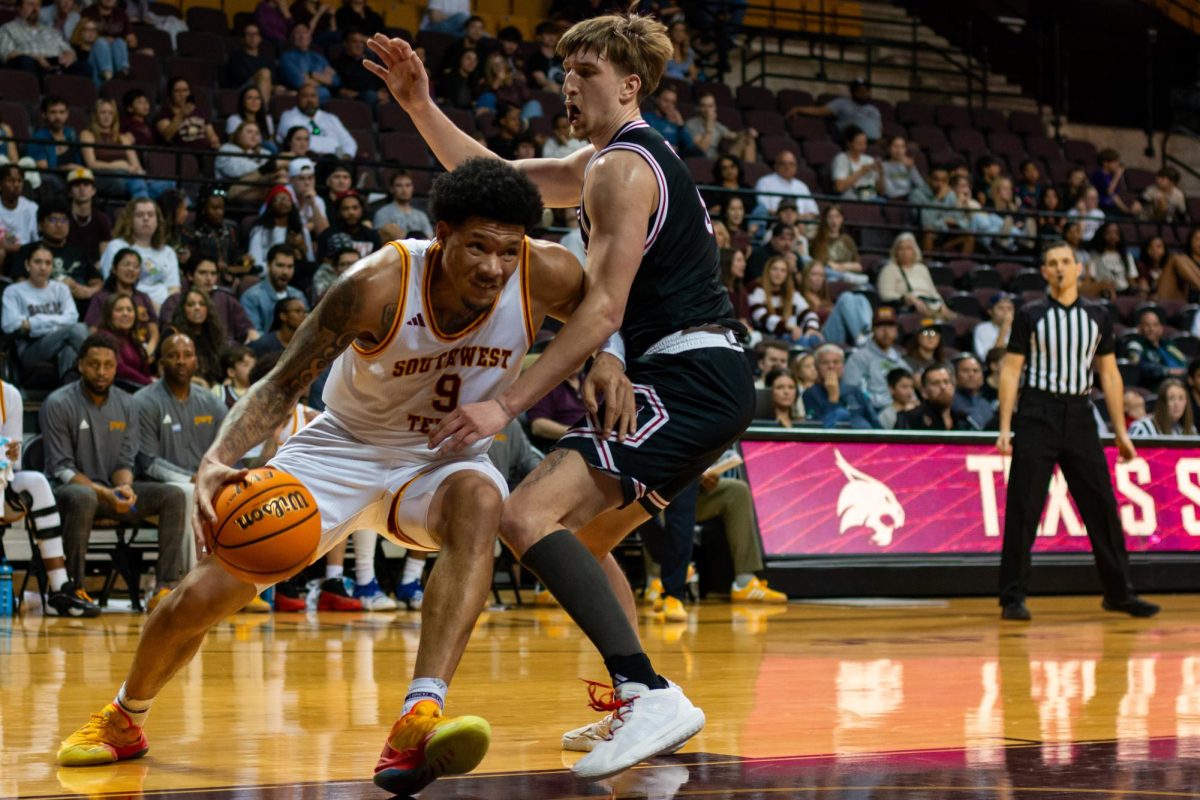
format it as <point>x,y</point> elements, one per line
<point>988,120</point>
<point>154,39</point>
<point>931,138</point>
<point>969,141</point>
<point>701,168</point>
<point>755,98</point>
<point>354,114</point>
<point>949,116</point>
<point>75,89</point>
<point>394,118</point>
<point>197,71</point>
<point>961,268</point>
<point>1079,151</point>
<point>965,303</point>
<point>910,113</point>
<point>366,144</point>
<point>1027,280</point>
<point>226,102</point>
<point>207,20</point>
<point>1137,179</point>
<point>1008,145</point>
<point>819,153</point>
<point>1043,147</point>
<point>20,86</point>
<point>984,278</point>
<point>463,119</point>
<point>281,103</point>
<point>803,128</point>
<point>202,44</point>
<point>16,116</point>
<point>407,149</point>
<point>728,116</point>
<point>1008,271</point>
<point>552,102</point>
<point>887,111</point>
<point>1026,123</point>
<point>790,98</point>
<point>767,123</point>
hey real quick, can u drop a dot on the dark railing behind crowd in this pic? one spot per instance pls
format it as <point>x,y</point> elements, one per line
<point>830,36</point>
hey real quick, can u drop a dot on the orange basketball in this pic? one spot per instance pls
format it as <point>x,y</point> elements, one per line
<point>267,527</point>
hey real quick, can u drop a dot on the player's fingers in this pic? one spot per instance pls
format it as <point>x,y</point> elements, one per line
<point>445,429</point>
<point>380,46</point>
<point>630,416</point>
<point>588,396</point>
<point>374,67</point>
<point>611,409</point>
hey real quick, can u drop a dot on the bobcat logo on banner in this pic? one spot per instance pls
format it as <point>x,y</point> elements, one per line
<point>867,502</point>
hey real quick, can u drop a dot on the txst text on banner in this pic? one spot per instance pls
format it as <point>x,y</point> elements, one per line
<point>870,498</point>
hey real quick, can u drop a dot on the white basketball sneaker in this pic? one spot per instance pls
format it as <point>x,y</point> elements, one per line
<point>645,723</point>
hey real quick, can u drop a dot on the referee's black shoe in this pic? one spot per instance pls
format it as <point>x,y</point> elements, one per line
<point>1017,612</point>
<point>1134,606</point>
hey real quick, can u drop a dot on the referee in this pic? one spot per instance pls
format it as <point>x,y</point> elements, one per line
<point>1054,343</point>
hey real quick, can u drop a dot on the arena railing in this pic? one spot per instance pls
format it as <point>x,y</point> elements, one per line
<point>820,26</point>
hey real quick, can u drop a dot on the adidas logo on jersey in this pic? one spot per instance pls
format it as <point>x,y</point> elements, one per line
<point>418,321</point>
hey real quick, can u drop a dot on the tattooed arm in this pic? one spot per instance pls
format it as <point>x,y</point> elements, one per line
<point>359,305</point>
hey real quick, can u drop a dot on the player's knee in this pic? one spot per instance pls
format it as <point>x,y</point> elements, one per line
<point>518,528</point>
<point>476,504</point>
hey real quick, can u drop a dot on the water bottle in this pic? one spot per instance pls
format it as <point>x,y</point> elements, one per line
<point>7,606</point>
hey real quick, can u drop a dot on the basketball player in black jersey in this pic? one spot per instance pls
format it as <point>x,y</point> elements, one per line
<point>652,277</point>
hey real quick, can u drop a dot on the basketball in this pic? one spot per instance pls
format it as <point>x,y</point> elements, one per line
<point>267,527</point>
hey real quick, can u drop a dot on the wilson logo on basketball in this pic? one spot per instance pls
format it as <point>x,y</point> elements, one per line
<point>275,507</point>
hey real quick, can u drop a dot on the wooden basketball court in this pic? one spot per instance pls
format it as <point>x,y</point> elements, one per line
<point>928,700</point>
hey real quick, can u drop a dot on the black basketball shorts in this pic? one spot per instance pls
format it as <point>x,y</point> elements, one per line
<point>692,406</point>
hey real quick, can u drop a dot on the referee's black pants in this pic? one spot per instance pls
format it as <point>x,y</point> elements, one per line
<point>1060,429</point>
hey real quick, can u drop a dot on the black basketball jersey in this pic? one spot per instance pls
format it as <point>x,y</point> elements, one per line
<point>678,284</point>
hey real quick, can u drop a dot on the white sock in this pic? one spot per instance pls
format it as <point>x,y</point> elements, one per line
<point>425,689</point>
<point>742,580</point>
<point>364,556</point>
<point>413,567</point>
<point>137,710</point>
<point>56,578</point>
<point>334,572</point>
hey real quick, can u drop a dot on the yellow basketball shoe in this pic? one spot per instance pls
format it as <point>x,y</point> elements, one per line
<point>107,737</point>
<point>423,746</point>
<point>672,610</point>
<point>653,591</point>
<point>756,591</point>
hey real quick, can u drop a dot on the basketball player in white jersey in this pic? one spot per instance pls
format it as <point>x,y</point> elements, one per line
<point>31,493</point>
<point>413,331</point>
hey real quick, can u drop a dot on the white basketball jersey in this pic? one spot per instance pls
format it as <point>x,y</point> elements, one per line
<point>395,392</point>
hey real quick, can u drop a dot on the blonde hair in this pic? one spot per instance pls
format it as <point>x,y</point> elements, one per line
<point>633,44</point>
<point>113,133</point>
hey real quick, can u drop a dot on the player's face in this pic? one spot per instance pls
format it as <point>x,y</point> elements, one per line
<point>1060,269</point>
<point>480,256</point>
<point>593,90</point>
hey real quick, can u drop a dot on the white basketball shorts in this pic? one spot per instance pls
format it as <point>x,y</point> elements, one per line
<point>363,486</point>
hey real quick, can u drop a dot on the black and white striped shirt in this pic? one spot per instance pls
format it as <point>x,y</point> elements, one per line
<point>1059,343</point>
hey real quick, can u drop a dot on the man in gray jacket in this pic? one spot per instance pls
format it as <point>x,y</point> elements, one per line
<point>177,421</point>
<point>868,366</point>
<point>91,435</point>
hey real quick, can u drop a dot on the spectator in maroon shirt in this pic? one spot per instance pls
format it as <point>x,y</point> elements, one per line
<point>181,123</point>
<point>136,118</point>
<point>274,19</point>
<point>554,414</point>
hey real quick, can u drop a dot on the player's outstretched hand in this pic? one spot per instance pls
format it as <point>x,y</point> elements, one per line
<point>209,478</point>
<point>606,379</point>
<point>467,424</point>
<point>401,70</point>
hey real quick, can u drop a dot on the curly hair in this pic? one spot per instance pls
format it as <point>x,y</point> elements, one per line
<point>487,188</point>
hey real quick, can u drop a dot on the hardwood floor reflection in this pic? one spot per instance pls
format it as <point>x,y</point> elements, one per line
<point>274,701</point>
